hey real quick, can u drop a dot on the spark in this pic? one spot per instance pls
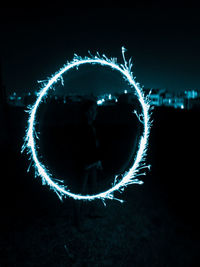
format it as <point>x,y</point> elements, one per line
<point>122,180</point>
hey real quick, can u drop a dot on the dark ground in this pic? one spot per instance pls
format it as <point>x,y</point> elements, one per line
<point>158,225</point>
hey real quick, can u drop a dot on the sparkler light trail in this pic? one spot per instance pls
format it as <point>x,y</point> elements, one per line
<point>120,181</point>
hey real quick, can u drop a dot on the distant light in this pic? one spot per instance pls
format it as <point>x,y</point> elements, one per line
<point>191,94</point>
<point>182,106</point>
<point>110,97</point>
<point>99,102</point>
<point>125,91</point>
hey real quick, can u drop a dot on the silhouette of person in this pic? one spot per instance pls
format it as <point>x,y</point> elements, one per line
<point>91,160</point>
<point>90,157</point>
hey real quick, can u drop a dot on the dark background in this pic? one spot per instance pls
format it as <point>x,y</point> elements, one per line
<point>158,225</point>
<point>163,40</point>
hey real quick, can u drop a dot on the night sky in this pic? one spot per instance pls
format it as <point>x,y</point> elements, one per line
<point>163,41</point>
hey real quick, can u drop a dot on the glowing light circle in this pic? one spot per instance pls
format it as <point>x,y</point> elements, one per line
<point>130,176</point>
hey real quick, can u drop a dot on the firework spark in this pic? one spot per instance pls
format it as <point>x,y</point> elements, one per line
<point>127,178</point>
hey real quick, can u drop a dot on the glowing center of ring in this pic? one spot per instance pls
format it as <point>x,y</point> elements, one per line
<point>130,176</point>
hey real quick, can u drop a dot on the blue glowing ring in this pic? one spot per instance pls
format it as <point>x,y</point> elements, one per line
<point>130,176</point>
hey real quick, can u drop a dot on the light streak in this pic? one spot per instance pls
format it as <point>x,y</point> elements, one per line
<point>120,181</point>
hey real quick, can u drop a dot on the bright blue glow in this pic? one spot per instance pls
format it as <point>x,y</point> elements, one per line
<point>130,176</point>
<point>100,102</point>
